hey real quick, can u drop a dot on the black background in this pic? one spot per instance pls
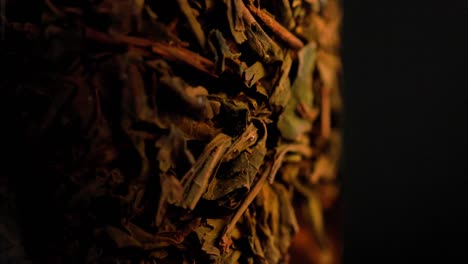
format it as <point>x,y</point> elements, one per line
<point>405,82</point>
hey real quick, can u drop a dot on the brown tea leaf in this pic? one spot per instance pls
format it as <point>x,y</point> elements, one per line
<point>221,50</point>
<point>120,238</point>
<point>194,130</point>
<point>258,40</point>
<point>324,168</point>
<point>171,193</point>
<point>244,205</point>
<point>235,16</point>
<point>194,98</point>
<point>208,233</point>
<point>173,150</point>
<point>254,73</point>
<point>242,142</point>
<point>288,225</point>
<point>237,176</point>
<point>249,224</point>
<point>139,142</point>
<point>313,210</point>
<point>281,151</point>
<point>268,203</point>
<point>282,92</point>
<point>193,22</point>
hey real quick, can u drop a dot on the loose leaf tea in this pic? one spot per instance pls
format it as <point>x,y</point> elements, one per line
<point>183,131</point>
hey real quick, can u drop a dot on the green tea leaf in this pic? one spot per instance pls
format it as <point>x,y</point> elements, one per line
<point>291,126</point>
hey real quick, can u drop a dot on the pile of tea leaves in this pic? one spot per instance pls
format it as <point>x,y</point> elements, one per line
<point>188,131</point>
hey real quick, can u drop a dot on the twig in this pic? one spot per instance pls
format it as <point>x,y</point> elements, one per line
<point>247,15</point>
<point>186,56</point>
<point>277,28</point>
<point>245,204</point>
<point>168,51</point>
<point>325,113</point>
<point>269,174</point>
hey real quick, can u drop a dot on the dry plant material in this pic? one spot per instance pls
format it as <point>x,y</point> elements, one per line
<point>180,131</point>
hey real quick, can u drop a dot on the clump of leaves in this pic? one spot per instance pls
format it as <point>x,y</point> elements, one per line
<point>181,132</point>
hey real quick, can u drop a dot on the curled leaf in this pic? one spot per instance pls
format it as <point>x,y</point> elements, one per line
<point>196,180</point>
<point>234,179</point>
<point>242,142</point>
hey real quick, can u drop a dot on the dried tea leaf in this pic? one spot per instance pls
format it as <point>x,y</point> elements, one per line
<point>235,16</point>
<point>193,22</point>
<point>194,130</point>
<point>283,12</point>
<point>196,180</point>
<point>173,150</point>
<point>281,151</point>
<point>207,233</point>
<point>263,45</point>
<point>282,91</point>
<point>230,226</point>
<point>306,112</point>
<point>313,211</point>
<point>120,238</point>
<point>328,194</point>
<point>254,73</point>
<point>235,178</point>
<point>183,55</point>
<point>136,100</point>
<point>139,142</point>
<point>160,240</point>
<point>268,203</point>
<point>288,221</point>
<point>221,49</point>
<point>171,193</point>
<point>324,169</point>
<point>242,142</point>
<point>277,28</point>
<point>193,98</point>
<point>329,67</point>
<point>291,126</point>
<point>232,257</point>
<point>159,254</point>
<point>234,116</point>
<point>249,224</point>
<point>141,136</point>
<point>328,26</point>
<point>258,40</point>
